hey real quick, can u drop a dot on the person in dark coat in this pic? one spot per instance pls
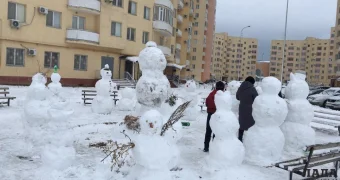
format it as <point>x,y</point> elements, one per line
<point>211,109</point>
<point>246,94</point>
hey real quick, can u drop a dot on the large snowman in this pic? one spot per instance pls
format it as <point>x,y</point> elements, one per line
<point>232,88</point>
<point>191,112</point>
<point>152,87</point>
<point>296,128</point>
<point>264,141</point>
<point>103,103</point>
<point>152,152</point>
<point>225,150</point>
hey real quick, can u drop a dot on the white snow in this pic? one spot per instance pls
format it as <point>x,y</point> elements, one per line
<point>82,35</point>
<point>190,113</point>
<point>89,4</point>
<point>132,58</point>
<point>176,66</point>
<point>128,100</point>
<point>232,88</point>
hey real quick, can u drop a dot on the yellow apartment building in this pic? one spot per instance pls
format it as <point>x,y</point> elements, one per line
<point>312,55</point>
<point>336,38</point>
<point>234,57</point>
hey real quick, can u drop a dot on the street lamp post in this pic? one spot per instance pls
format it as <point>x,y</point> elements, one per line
<point>284,42</point>
<point>239,61</point>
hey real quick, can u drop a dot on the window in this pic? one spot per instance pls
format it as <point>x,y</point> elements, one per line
<point>80,62</point>
<point>197,15</point>
<point>16,11</point>
<point>194,49</point>
<point>132,8</point>
<point>193,58</point>
<point>145,37</point>
<point>196,24</point>
<point>146,13</point>
<point>163,14</point>
<point>15,57</point>
<point>78,22</point>
<point>118,3</point>
<point>51,59</point>
<point>131,34</point>
<point>195,32</point>
<point>116,29</point>
<point>197,6</point>
<point>53,19</point>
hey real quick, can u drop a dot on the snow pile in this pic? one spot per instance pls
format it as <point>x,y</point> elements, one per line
<point>191,112</point>
<point>232,89</point>
<point>225,150</point>
<point>264,141</point>
<point>103,103</point>
<point>259,90</point>
<point>152,87</point>
<point>128,100</point>
<point>296,128</point>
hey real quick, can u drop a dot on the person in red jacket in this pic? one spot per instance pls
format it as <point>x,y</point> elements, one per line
<point>211,109</point>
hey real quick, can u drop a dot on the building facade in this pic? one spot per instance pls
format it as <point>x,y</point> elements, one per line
<point>262,69</point>
<point>81,36</point>
<point>234,57</point>
<point>336,39</point>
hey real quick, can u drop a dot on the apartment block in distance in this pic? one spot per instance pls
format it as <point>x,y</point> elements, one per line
<point>234,57</point>
<point>81,36</point>
<point>313,56</point>
<point>336,38</point>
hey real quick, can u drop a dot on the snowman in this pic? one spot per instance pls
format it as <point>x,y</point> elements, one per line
<point>128,101</point>
<point>264,141</point>
<point>152,87</point>
<point>103,103</point>
<point>232,89</point>
<point>190,95</point>
<point>55,86</point>
<point>225,150</point>
<point>296,128</point>
<point>152,152</point>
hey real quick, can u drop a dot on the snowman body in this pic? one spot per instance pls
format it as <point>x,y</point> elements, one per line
<point>128,101</point>
<point>264,141</point>
<point>296,128</point>
<point>191,112</point>
<point>152,87</point>
<point>55,86</point>
<point>103,103</point>
<point>225,150</point>
<point>232,88</point>
<point>152,152</point>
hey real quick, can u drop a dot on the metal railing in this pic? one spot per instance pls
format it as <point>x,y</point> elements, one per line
<point>129,77</point>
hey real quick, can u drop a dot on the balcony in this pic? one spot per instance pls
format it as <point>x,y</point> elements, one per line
<point>85,6</point>
<point>203,53</point>
<point>207,2</point>
<point>203,62</point>
<point>166,51</point>
<point>178,60</point>
<point>178,46</point>
<point>180,4</point>
<point>188,49</point>
<point>166,3</point>
<point>76,35</point>
<point>187,62</point>
<point>179,33</point>
<point>191,13</point>
<point>179,18</point>
<point>202,70</point>
<point>163,28</point>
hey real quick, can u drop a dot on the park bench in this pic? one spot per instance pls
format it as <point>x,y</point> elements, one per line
<point>303,166</point>
<point>4,92</point>
<point>332,124</point>
<point>88,95</point>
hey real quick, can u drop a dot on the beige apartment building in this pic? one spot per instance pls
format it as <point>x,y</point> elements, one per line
<point>313,56</point>
<point>336,39</point>
<point>81,36</point>
<point>234,57</point>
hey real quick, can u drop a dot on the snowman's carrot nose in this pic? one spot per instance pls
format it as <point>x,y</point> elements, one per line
<point>151,125</point>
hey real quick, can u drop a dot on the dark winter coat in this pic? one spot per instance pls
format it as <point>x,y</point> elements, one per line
<point>246,94</point>
<point>210,102</point>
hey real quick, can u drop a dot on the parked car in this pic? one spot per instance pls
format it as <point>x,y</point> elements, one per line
<point>316,91</point>
<point>333,102</point>
<point>312,89</point>
<point>320,99</point>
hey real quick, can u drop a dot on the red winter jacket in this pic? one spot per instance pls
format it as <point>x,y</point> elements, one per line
<point>210,102</point>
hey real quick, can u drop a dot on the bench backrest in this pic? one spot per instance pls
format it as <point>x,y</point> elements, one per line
<point>4,90</point>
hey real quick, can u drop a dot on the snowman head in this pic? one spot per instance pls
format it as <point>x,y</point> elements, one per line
<point>151,122</point>
<point>233,87</point>
<point>39,78</point>
<point>190,86</point>
<point>271,86</point>
<point>223,100</point>
<point>152,58</point>
<point>106,72</point>
<point>297,87</point>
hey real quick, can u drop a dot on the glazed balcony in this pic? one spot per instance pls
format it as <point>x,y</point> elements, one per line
<point>166,51</point>
<point>180,4</point>
<point>163,28</point>
<point>179,18</point>
<point>166,3</point>
<point>82,36</point>
<point>179,33</point>
<point>85,6</point>
<point>178,46</point>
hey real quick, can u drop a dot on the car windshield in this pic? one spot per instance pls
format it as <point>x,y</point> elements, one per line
<point>328,92</point>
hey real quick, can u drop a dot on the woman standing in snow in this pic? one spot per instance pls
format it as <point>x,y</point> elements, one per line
<point>211,109</point>
<point>246,94</point>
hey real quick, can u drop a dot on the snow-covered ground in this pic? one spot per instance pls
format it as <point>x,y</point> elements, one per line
<point>86,127</point>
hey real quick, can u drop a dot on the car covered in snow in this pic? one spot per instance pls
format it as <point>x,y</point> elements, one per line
<point>333,102</point>
<point>320,99</point>
<point>317,90</point>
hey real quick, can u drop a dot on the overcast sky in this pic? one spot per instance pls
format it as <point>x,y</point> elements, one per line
<point>267,18</point>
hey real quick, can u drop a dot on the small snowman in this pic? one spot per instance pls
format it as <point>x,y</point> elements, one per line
<point>232,88</point>
<point>128,101</point>
<point>225,150</point>
<point>296,128</point>
<point>103,103</point>
<point>152,87</point>
<point>264,141</point>
<point>55,86</point>
<point>152,152</point>
<point>191,112</point>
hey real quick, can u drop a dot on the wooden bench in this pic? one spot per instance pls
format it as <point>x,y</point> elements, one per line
<point>5,91</point>
<point>88,95</point>
<point>335,125</point>
<point>302,166</point>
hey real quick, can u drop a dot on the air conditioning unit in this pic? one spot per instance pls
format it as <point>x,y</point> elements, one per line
<point>15,23</point>
<point>186,29</point>
<point>185,16</point>
<point>108,1</point>
<point>185,42</point>
<point>32,52</point>
<point>43,10</point>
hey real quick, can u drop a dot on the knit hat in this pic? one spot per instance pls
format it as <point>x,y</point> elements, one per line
<point>220,85</point>
<point>250,79</point>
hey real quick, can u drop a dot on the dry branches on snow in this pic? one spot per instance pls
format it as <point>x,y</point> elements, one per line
<point>132,123</point>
